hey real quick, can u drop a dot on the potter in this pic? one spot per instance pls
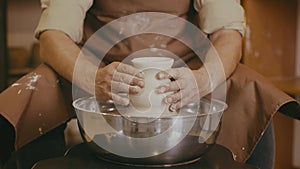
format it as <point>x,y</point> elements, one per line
<point>148,100</point>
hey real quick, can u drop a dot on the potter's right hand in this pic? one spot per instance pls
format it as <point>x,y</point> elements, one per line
<point>118,78</point>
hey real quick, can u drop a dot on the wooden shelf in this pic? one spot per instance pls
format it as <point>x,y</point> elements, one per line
<point>19,72</point>
<point>288,85</point>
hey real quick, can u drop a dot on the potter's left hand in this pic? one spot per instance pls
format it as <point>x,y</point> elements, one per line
<point>187,86</point>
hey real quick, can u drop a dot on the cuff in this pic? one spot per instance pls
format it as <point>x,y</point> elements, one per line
<point>220,14</point>
<point>63,15</point>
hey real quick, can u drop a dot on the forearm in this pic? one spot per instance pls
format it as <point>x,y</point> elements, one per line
<point>88,72</point>
<point>228,44</point>
<point>61,53</point>
<point>221,60</point>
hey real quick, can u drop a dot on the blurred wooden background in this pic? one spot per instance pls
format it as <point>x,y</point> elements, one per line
<point>270,48</point>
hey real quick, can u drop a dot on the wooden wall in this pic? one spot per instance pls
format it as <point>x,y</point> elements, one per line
<point>270,49</point>
<point>270,41</point>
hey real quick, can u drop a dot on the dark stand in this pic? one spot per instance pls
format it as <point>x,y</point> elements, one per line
<point>80,157</point>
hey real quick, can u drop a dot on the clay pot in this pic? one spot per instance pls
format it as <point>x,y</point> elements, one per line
<point>149,101</point>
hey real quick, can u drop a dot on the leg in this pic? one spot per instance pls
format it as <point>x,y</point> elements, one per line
<point>50,145</point>
<point>6,141</point>
<point>264,153</point>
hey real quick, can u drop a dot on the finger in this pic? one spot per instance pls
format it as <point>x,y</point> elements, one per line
<point>124,68</point>
<point>172,86</point>
<point>119,99</point>
<point>128,79</point>
<point>122,87</point>
<point>173,98</point>
<point>171,73</point>
<point>186,98</point>
<point>174,107</point>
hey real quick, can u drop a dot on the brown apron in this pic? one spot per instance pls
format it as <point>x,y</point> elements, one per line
<point>35,104</point>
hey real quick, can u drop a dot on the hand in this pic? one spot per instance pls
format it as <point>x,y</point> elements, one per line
<point>118,78</point>
<point>187,86</point>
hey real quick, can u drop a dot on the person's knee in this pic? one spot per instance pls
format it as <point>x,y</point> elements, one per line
<point>49,145</point>
<point>264,153</point>
<point>7,144</point>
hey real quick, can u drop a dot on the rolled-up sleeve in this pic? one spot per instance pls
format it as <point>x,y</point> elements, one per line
<point>220,14</point>
<point>63,15</point>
